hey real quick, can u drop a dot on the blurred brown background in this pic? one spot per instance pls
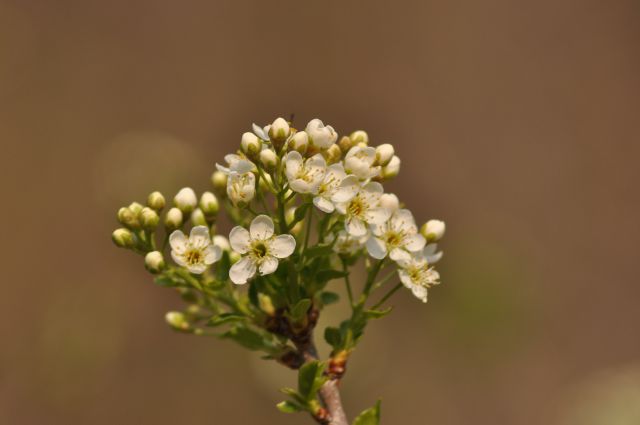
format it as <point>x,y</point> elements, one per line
<point>517,122</point>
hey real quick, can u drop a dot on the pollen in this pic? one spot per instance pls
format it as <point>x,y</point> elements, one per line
<point>193,257</point>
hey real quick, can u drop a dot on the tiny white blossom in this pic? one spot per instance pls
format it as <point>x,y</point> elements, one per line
<point>304,176</point>
<point>398,237</point>
<point>236,164</point>
<point>384,154</point>
<point>241,188</point>
<point>416,274</point>
<point>363,208</point>
<point>347,244</point>
<point>186,200</point>
<point>433,230</point>
<point>196,252</point>
<point>259,248</point>
<point>360,162</point>
<point>321,136</point>
<point>431,253</point>
<point>335,187</point>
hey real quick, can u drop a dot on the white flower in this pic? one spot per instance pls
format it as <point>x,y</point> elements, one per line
<point>279,130</point>
<point>260,249</point>
<point>186,200</point>
<point>268,159</point>
<point>416,275</point>
<point>384,153</point>
<point>397,237</point>
<point>431,253</point>
<point>433,230</point>
<point>304,176</point>
<point>321,136</point>
<point>154,261</point>
<point>299,142</point>
<point>347,244</point>
<point>362,209</point>
<point>241,188</point>
<point>391,169</point>
<point>335,187</point>
<point>250,144</point>
<point>195,253</point>
<point>237,164</point>
<point>359,161</point>
<point>174,218</point>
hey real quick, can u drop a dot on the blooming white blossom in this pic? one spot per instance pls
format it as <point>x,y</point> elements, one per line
<point>431,253</point>
<point>196,252</point>
<point>417,275</point>
<point>360,162</point>
<point>236,164</point>
<point>347,244</point>
<point>398,237</point>
<point>259,248</point>
<point>304,176</point>
<point>186,200</point>
<point>241,188</point>
<point>335,187</point>
<point>363,208</point>
<point>321,136</point>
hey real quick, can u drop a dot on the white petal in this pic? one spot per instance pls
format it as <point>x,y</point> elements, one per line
<point>373,187</point>
<point>399,255</point>
<point>242,271</point>
<point>178,241</point>
<point>197,268</point>
<point>430,249</point>
<point>414,242</point>
<point>341,207</point>
<point>420,292</point>
<point>239,239</point>
<point>282,246</point>
<point>178,258</point>
<point>347,190</point>
<point>323,204</point>
<point>316,161</point>
<point>269,265</point>
<point>261,228</point>
<point>377,248</point>
<point>355,227</point>
<point>336,171</point>
<point>212,253</point>
<point>301,186</point>
<point>377,215</point>
<point>243,166</point>
<point>264,135</point>
<point>403,220</point>
<point>199,237</point>
<point>405,278</point>
<point>433,258</point>
<point>292,163</point>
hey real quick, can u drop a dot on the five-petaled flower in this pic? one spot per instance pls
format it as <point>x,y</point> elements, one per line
<point>397,237</point>
<point>196,252</point>
<point>335,187</point>
<point>304,176</point>
<point>259,248</point>
<point>362,209</point>
<point>360,162</point>
<point>417,275</point>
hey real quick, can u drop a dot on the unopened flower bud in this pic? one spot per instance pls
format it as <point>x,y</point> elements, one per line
<point>359,137</point>
<point>128,218</point>
<point>149,218</point>
<point>222,242</point>
<point>433,230</point>
<point>265,303</point>
<point>389,201</point>
<point>186,200</point>
<point>154,261</point>
<point>219,182</point>
<point>234,257</point>
<point>209,204</point>
<point>384,153</point>
<point>320,136</point>
<point>391,169</point>
<point>250,144</point>
<point>198,218</point>
<point>299,142</point>
<point>345,144</point>
<point>265,182</point>
<point>333,154</point>
<point>173,219</point>
<point>156,201</point>
<point>123,238</point>
<point>279,132</point>
<point>268,159</point>
<point>177,320</point>
<point>135,207</point>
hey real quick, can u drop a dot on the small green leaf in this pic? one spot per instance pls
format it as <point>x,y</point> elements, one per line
<point>369,417</point>
<point>327,275</point>
<point>246,337</point>
<point>289,407</point>
<point>300,213</point>
<point>165,281</point>
<point>300,309</point>
<point>327,298</point>
<point>308,377</point>
<point>333,336</point>
<point>225,318</point>
<point>376,314</point>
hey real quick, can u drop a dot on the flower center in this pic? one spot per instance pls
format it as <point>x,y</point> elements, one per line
<point>394,239</point>
<point>357,207</point>
<point>193,257</point>
<point>259,249</point>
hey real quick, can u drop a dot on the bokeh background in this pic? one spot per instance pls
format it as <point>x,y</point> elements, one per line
<point>517,123</point>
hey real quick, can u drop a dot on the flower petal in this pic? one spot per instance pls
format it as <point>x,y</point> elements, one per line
<point>242,271</point>
<point>197,268</point>
<point>373,187</point>
<point>292,164</point>
<point>377,248</point>
<point>178,241</point>
<point>269,265</point>
<point>347,190</point>
<point>420,292</point>
<point>399,255</point>
<point>403,220</point>
<point>355,227</point>
<point>178,258</point>
<point>199,237</point>
<point>377,215</point>
<point>261,228</point>
<point>323,204</point>
<point>414,242</point>
<point>282,246</point>
<point>239,239</point>
<point>212,253</point>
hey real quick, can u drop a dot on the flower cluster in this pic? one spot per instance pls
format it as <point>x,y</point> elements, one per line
<point>306,205</point>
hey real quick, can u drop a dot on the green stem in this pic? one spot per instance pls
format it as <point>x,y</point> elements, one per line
<point>387,296</point>
<point>347,281</point>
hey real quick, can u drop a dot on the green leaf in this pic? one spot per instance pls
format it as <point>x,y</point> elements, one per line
<point>299,214</point>
<point>225,318</point>
<point>289,407</point>
<point>376,314</point>
<point>369,417</point>
<point>248,338</point>
<point>333,336</point>
<point>327,298</point>
<point>327,275</point>
<point>165,281</point>
<point>310,379</point>
<point>318,251</point>
<point>299,311</point>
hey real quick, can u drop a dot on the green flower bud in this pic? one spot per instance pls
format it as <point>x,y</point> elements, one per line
<point>250,144</point>
<point>384,154</point>
<point>135,208</point>
<point>266,304</point>
<point>156,201</point>
<point>268,159</point>
<point>209,204</point>
<point>359,137</point>
<point>173,219</point>
<point>186,200</point>
<point>154,262</point>
<point>128,218</point>
<point>177,320</point>
<point>198,218</point>
<point>345,144</point>
<point>299,142</point>
<point>391,169</point>
<point>279,132</point>
<point>333,154</point>
<point>123,238</point>
<point>433,230</point>
<point>149,218</point>
<point>219,182</point>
